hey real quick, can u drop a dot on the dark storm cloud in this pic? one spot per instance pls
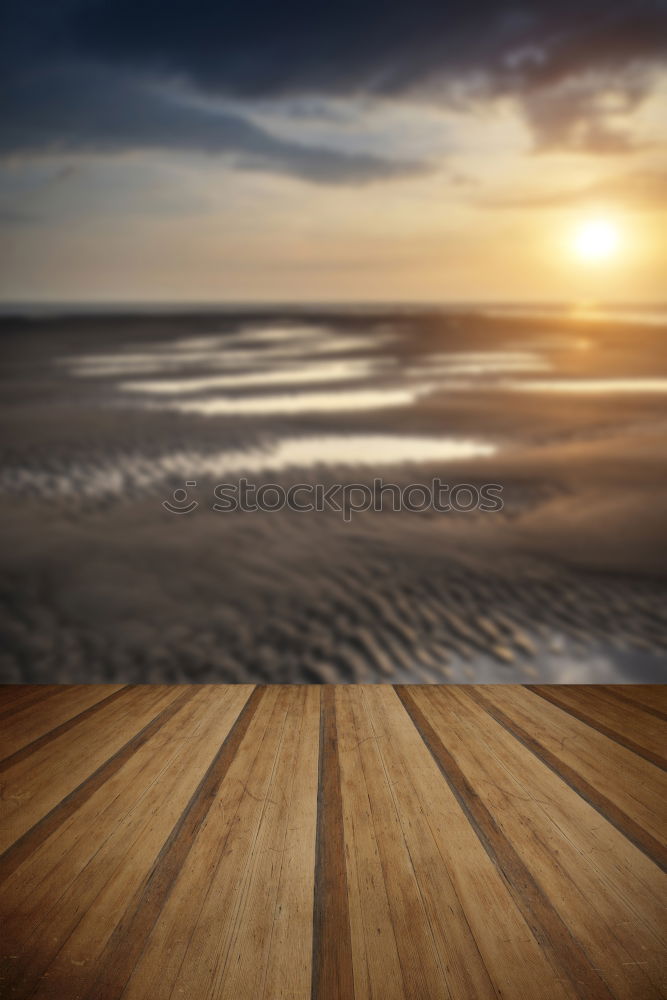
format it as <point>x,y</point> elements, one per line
<point>97,111</point>
<point>267,49</point>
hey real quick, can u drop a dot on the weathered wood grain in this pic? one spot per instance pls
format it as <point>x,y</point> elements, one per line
<point>33,730</point>
<point>563,950</point>
<point>543,742</point>
<point>628,728</point>
<point>361,842</point>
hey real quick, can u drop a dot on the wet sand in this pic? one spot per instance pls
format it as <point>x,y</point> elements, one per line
<point>105,416</point>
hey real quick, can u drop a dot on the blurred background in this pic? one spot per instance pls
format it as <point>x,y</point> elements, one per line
<point>325,244</point>
<point>106,416</point>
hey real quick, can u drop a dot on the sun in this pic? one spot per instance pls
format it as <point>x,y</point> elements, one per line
<point>596,240</point>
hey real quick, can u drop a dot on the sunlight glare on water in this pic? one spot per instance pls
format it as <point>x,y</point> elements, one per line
<point>301,402</point>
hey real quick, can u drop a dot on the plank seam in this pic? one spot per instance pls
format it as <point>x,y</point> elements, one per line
<point>564,952</point>
<point>241,901</point>
<point>399,816</point>
<point>332,971</point>
<point>223,847</point>
<point>32,699</point>
<point>41,741</point>
<point>33,838</point>
<point>589,720</point>
<point>616,692</point>
<point>130,935</point>
<point>609,811</point>
<point>279,881</point>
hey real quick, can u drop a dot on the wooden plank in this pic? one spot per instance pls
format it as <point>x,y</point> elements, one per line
<point>211,945</point>
<point>126,943</point>
<point>618,923</point>
<point>73,844</point>
<point>645,737</point>
<point>20,848</point>
<point>651,697</point>
<point>563,950</point>
<point>191,936</point>
<point>494,699</point>
<point>374,948</point>
<point>50,957</point>
<point>485,944</point>
<point>28,736</point>
<point>10,692</point>
<point>616,775</point>
<point>644,728</point>
<point>244,971</point>
<point>16,698</point>
<point>231,843</point>
<point>38,784</point>
<point>290,958</point>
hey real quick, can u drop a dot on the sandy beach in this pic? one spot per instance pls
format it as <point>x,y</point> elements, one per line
<point>105,416</point>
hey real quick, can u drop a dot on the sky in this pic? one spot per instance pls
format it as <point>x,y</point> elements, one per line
<point>428,151</point>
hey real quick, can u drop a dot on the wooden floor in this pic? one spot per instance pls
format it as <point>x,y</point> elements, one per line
<point>332,842</point>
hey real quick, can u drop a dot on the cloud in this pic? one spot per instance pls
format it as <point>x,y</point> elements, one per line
<point>265,48</point>
<point>98,111</point>
<point>555,60</point>
<point>640,189</point>
<point>587,113</point>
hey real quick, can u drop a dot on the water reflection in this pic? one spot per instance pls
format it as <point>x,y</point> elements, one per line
<point>302,402</point>
<point>332,371</point>
<point>585,312</point>
<point>131,472</point>
<point>590,385</point>
<point>482,363</point>
<point>271,345</point>
<point>364,450</point>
